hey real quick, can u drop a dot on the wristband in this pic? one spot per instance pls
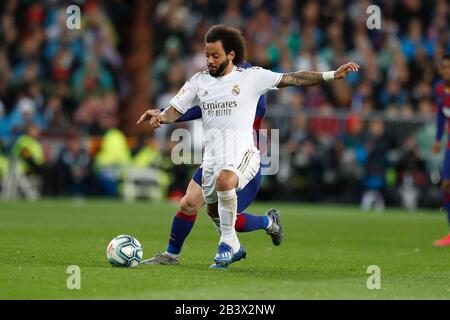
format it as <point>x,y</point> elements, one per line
<point>328,76</point>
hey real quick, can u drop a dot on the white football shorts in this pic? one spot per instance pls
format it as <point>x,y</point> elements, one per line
<point>246,170</point>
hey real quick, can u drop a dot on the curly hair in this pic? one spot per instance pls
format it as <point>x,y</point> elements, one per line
<point>231,38</point>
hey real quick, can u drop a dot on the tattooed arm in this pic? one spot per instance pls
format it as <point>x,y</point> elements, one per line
<point>156,117</point>
<point>300,79</point>
<point>311,78</point>
<point>170,115</point>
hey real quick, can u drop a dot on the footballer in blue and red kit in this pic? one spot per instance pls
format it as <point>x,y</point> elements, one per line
<point>245,222</point>
<point>442,99</point>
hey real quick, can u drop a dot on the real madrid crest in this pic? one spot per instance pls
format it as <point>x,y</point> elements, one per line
<point>235,91</point>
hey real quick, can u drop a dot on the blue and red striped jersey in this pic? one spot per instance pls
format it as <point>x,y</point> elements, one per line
<point>442,100</point>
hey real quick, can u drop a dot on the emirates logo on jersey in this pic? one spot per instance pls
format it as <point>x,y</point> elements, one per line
<point>235,91</point>
<point>219,108</point>
<point>214,105</point>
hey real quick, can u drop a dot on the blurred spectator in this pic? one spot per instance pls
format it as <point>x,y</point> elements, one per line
<point>353,136</point>
<point>97,113</point>
<point>414,40</point>
<point>28,150</point>
<point>353,157</point>
<point>362,92</point>
<point>91,78</point>
<point>111,161</point>
<point>306,171</point>
<point>412,175</point>
<point>163,62</point>
<point>393,94</point>
<point>3,163</point>
<point>56,121</point>
<point>23,116</point>
<point>375,166</point>
<point>99,36</point>
<point>74,168</point>
<point>150,155</point>
<point>3,124</point>
<point>298,134</point>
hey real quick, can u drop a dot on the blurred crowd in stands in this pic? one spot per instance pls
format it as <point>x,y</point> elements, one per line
<point>354,140</point>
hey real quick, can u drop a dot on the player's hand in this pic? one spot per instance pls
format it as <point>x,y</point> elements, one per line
<point>342,71</point>
<point>436,148</point>
<point>156,121</point>
<point>152,115</point>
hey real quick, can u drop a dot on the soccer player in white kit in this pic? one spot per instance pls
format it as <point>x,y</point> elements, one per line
<point>228,97</point>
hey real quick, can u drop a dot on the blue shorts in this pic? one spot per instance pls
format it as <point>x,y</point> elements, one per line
<point>245,196</point>
<point>446,169</point>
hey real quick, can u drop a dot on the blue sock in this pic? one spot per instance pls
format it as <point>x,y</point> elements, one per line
<point>181,227</point>
<point>246,222</point>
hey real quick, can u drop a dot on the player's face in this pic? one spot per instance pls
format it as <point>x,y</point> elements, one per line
<point>216,58</point>
<point>445,70</point>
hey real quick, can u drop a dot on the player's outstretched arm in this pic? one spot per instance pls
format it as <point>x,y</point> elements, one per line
<point>156,117</point>
<point>148,115</point>
<point>170,115</point>
<point>311,78</point>
<point>193,113</point>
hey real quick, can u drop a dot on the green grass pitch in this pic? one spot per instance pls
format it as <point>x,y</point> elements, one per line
<point>325,255</point>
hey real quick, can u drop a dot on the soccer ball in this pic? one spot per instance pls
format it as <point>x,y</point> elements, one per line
<point>124,251</point>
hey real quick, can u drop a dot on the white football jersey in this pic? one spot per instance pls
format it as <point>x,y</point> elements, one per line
<point>228,105</point>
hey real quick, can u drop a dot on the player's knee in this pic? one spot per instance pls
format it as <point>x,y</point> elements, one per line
<point>189,206</point>
<point>226,180</point>
<point>446,186</point>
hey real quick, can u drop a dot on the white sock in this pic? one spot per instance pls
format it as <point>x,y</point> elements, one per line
<point>227,213</point>
<point>172,255</point>
<point>270,224</point>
